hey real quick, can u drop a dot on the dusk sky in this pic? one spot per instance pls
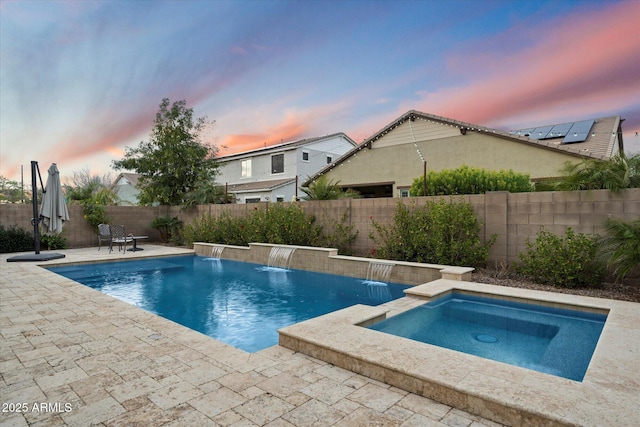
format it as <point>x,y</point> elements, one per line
<point>81,80</point>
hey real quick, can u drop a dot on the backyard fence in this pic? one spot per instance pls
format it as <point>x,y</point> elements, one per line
<point>512,217</point>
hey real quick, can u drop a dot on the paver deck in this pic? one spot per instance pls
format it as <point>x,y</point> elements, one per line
<point>71,355</point>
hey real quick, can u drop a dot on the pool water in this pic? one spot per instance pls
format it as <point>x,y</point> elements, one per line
<point>546,339</point>
<point>238,303</point>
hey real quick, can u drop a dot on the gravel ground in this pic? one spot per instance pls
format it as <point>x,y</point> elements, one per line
<point>629,290</point>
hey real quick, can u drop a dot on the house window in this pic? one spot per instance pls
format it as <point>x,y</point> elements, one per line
<point>305,156</point>
<point>329,160</point>
<point>245,168</point>
<point>252,200</point>
<point>279,198</point>
<point>277,163</point>
<point>404,192</point>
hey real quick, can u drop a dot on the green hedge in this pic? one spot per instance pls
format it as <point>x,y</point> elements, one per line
<point>15,239</point>
<point>470,180</point>
<point>284,224</point>
<point>567,261</point>
<point>438,232</point>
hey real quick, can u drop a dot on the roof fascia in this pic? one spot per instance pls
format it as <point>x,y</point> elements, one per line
<point>286,146</point>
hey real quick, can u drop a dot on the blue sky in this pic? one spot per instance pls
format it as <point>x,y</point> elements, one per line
<point>80,81</point>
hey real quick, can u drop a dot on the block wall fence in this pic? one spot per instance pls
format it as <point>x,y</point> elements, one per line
<point>512,217</point>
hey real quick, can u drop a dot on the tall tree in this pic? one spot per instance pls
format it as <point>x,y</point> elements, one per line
<point>174,162</point>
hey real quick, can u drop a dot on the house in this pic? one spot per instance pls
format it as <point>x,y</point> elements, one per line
<point>274,173</point>
<point>126,187</point>
<point>386,164</point>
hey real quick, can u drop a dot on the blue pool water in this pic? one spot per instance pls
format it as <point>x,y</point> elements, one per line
<point>238,303</point>
<point>546,339</point>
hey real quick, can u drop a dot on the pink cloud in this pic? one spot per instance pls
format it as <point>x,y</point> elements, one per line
<point>290,130</point>
<point>590,66</point>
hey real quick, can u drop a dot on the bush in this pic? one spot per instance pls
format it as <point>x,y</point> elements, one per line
<point>567,261</point>
<point>15,239</point>
<point>285,225</point>
<point>53,241</point>
<point>439,232</point>
<point>470,180</point>
<point>169,228</point>
<point>277,224</point>
<point>339,234</point>
<point>620,247</point>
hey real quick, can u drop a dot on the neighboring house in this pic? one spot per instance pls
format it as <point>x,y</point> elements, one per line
<point>126,187</point>
<point>386,164</point>
<point>271,173</point>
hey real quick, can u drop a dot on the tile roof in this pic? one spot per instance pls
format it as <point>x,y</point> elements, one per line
<point>259,185</point>
<point>284,146</point>
<point>599,144</point>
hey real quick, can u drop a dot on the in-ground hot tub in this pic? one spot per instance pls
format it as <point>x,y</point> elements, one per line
<point>548,339</point>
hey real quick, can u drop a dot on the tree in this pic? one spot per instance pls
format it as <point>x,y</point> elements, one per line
<point>85,185</point>
<point>11,191</point>
<point>93,192</point>
<point>615,174</point>
<point>325,189</point>
<point>174,162</point>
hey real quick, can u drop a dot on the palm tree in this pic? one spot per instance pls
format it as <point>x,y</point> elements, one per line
<point>325,189</point>
<point>615,174</point>
<point>620,248</point>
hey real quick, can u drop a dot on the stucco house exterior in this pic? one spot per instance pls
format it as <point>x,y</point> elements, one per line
<point>386,164</point>
<point>126,187</point>
<point>276,172</point>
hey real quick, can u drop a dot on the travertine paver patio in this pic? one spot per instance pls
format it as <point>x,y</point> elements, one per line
<point>73,356</point>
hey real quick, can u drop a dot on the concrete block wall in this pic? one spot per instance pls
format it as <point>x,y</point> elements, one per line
<point>512,217</point>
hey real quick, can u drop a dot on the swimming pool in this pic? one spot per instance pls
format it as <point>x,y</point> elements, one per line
<point>543,338</point>
<point>238,303</point>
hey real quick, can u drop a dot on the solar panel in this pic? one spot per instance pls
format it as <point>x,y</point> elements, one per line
<point>559,130</point>
<point>578,132</point>
<point>572,131</point>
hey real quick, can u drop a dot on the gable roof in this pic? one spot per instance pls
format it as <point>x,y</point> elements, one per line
<point>259,185</point>
<point>285,146</point>
<point>599,143</point>
<point>131,177</point>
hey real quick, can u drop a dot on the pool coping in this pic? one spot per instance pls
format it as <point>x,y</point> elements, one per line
<point>116,364</point>
<point>608,394</point>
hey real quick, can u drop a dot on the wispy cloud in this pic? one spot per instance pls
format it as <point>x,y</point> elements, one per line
<point>577,68</point>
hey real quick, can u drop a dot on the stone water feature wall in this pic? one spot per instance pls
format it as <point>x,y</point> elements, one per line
<point>326,260</point>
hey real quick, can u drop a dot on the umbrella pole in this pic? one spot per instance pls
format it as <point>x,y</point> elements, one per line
<point>36,217</point>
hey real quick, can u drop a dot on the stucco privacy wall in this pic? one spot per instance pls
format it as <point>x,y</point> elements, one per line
<point>513,217</point>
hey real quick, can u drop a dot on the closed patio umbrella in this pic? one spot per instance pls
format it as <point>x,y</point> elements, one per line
<point>53,213</point>
<point>54,208</point>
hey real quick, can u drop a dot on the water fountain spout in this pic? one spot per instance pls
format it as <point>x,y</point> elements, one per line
<point>280,256</point>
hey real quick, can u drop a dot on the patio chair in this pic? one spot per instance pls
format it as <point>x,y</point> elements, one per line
<point>104,234</point>
<point>119,237</point>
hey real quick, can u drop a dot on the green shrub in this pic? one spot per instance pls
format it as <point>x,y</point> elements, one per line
<point>15,239</point>
<point>223,229</point>
<point>169,228</point>
<point>620,247</point>
<point>339,234</point>
<point>470,180</point>
<point>567,261</point>
<point>439,232</point>
<point>278,224</point>
<point>285,225</point>
<point>94,213</point>
<point>53,241</point>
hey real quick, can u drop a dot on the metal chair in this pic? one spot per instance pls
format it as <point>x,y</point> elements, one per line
<point>120,237</point>
<point>104,234</point>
